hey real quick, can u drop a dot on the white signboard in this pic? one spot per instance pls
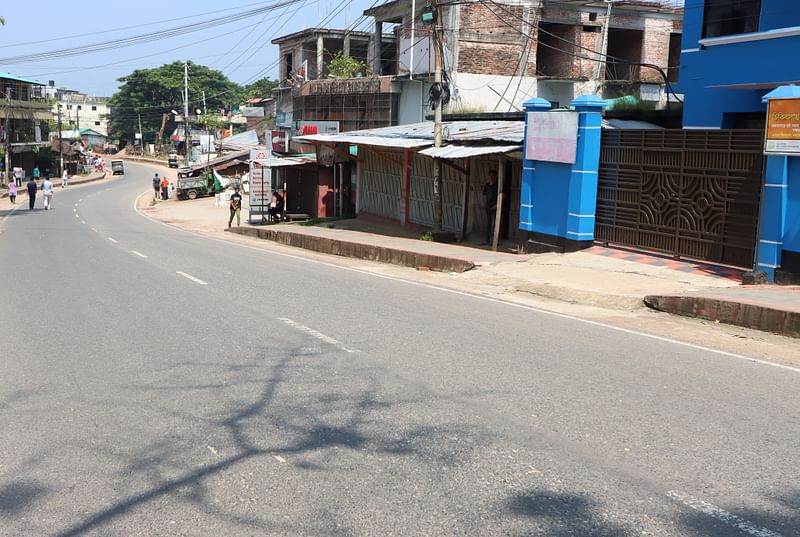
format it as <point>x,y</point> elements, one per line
<point>260,185</point>
<point>552,136</point>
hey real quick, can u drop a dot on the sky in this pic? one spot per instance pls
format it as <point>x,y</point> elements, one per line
<point>240,49</point>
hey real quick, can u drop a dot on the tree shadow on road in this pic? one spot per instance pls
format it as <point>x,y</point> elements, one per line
<point>282,423</point>
<point>560,514</point>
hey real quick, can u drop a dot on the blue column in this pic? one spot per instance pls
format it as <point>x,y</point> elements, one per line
<point>528,167</point>
<point>582,200</point>
<point>558,200</point>
<point>773,215</point>
<point>778,210</point>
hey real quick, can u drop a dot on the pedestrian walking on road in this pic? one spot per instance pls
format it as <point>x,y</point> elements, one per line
<point>156,186</point>
<point>31,193</point>
<point>12,191</point>
<point>164,188</point>
<point>217,192</point>
<point>47,190</point>
<point>36,173</point>
<point>236,207</point>
<point>490,203</point>
<point>64,179</point>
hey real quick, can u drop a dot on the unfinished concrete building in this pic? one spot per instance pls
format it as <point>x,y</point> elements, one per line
<point>497,54</point>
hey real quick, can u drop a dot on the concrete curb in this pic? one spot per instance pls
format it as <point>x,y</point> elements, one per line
<point>757,317</point>
<point>370,252</point>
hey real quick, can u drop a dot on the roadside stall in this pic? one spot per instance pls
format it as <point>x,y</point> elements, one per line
<point>267,175</point>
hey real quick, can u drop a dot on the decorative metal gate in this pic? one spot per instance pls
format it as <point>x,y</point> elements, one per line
<point>687,193</point>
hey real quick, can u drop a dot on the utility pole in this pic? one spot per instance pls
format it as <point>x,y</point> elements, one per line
<point>437,120</point>
<point>601,61</point>
<point>186,110</point>
<point>7,137</point>
<point>205,110</point>
<point>141,134</point>
<point>60,144</point>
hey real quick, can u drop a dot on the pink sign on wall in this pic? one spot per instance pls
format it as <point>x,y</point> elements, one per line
<point>552,136</point>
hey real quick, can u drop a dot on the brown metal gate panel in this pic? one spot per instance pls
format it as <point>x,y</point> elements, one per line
<point>687,193</point>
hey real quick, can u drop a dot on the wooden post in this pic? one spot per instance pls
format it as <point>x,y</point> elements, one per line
<point>498,213</point>
<point>405,188</point>
<point>465,201</point>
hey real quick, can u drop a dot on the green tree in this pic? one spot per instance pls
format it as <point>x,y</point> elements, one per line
<point>260,88</point>
<point>150,93</point>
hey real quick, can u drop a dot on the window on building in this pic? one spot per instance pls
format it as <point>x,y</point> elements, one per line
<point>69,107</point>
<point>96,123</point>
<point>288,66</point>
<point>94,109</point>
<point>730,17</point>
<point>79,107</point>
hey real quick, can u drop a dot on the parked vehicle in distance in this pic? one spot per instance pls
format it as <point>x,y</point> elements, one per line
<point>193,185</point>
<point>117,167</point>
<point>173,161</point>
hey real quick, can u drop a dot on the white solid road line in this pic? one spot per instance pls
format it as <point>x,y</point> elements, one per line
<point>189,276</point>
<point>318,335</point>
<point>113,240</point>
<point>720,514</point>
<point>477,296</point>
<point>134,252</point>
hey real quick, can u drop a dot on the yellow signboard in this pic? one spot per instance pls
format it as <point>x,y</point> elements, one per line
<point>783,127</point>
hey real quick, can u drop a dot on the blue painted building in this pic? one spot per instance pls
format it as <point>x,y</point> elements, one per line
<point>733,53</point>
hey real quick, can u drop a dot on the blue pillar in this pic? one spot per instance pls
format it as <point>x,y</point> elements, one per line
<point>528,167</point>
<point>773,215</point>
<point>582,202</point>
<point>778,238</point>
<point>557,200</point>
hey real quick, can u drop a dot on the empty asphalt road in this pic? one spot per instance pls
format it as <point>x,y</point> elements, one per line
<point>154,382</point>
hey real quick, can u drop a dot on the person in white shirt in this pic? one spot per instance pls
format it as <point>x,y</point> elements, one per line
<point>64,179</point>
<point>47,190</point>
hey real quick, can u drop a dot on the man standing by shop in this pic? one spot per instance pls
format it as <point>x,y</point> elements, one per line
<point>490,204</point>
<point>236,207</point>
<point>31,193</point>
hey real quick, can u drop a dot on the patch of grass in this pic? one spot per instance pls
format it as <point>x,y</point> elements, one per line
<point>427,236</point>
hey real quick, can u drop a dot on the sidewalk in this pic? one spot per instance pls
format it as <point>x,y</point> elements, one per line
<point>612,278</point>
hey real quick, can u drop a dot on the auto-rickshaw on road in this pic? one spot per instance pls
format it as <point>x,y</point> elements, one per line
<point>117,167</point>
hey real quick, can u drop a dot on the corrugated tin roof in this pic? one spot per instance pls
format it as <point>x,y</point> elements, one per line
<point>279,162</point>
<point>219,160</point>
<point>420,134</point>
<point>9,76</point>
<point>466,151</point>
<point>360,139</point>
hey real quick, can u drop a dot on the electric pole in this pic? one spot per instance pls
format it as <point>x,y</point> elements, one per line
<point>7,138</point>
<point>60,144</point>
<point>602,61</point>
<point>437,120</point>
<point>141,134</point>
<point>186,110</point>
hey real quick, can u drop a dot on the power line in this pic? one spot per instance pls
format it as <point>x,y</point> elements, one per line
<point>146,37</point>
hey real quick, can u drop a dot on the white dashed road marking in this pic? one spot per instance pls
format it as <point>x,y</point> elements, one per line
<point>134,252</point>
<point>318,335</point>
<point>77,215</point>
<point>720,514</point>
<point>83,221</point>
<point>113,240</point>
<point>189,276</point>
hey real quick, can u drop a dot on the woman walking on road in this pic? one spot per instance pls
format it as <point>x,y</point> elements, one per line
<point>12,191</point>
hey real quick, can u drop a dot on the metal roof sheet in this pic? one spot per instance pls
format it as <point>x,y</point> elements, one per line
<point>420,134</point>
<point>9,76</point>
<point>279,162</point>
<point>361,139</point>
<point>462,151</point>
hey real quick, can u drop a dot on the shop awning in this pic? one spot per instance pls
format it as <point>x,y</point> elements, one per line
<point>466,151</point>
